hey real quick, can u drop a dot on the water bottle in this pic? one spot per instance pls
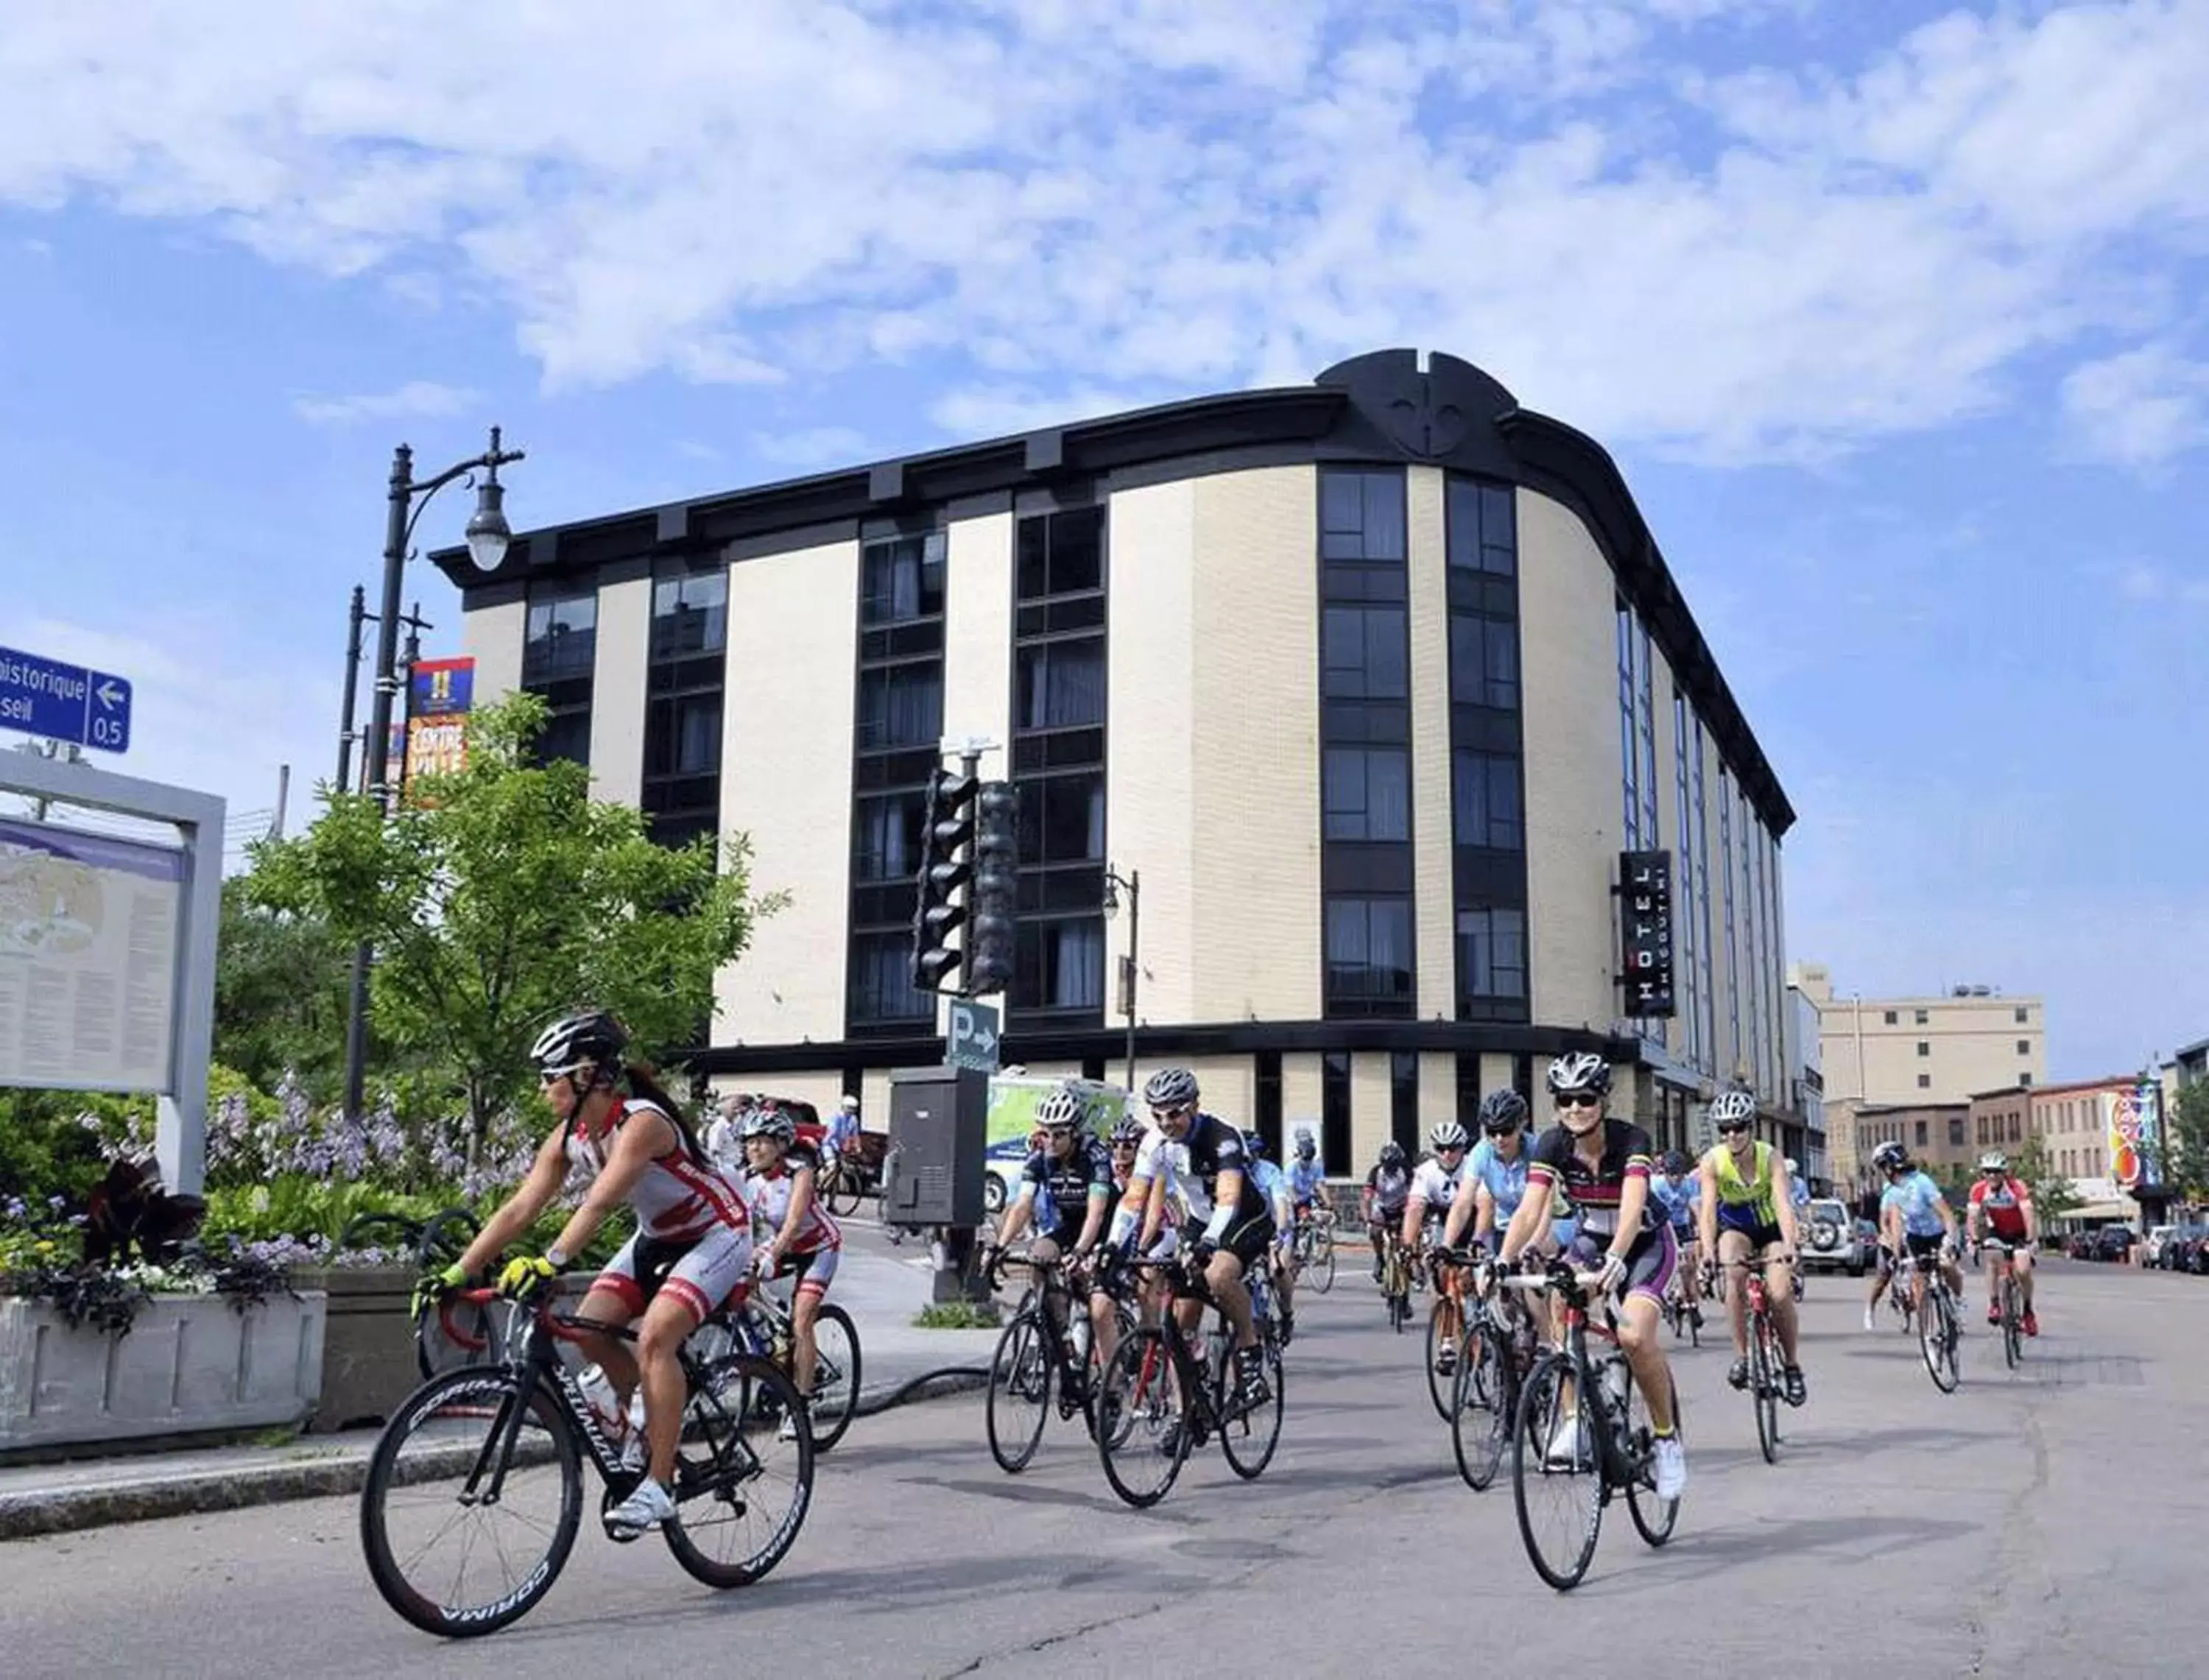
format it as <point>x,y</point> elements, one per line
<point>605,1404</point>
<point>1077,1336</point>
<point>636,1412</point>
<point>1616,1376</point>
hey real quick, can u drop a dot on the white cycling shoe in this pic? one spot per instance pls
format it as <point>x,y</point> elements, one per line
<point>648,1507</point>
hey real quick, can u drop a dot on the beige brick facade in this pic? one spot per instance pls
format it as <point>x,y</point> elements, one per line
<point>492,636</point>
<point>1433,831</point>
<point>618,685</point>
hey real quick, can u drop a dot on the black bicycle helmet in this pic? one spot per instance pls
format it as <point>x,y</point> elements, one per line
<point>591,1038</point>
<point>1502,1113</point>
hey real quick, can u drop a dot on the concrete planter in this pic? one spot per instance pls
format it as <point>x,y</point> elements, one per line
<point>190,1364</point>
<point>368,1350</point>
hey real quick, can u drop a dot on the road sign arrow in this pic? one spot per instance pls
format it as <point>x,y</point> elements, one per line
<point>109,695</point>
<point>985,1041</point>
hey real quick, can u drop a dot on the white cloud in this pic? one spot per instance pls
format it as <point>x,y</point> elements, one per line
<point>818,446</point>
<point>416,399</point>
<point>1055,198</point>
<point>2138,408</point>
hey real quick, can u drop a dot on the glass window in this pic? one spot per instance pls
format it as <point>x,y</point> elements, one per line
<point>567,734</point>
<point>1060,964</point>
<point>1483,661</point>
<point>1925,1048</point>
<point>1891,1018</point>
<point>2024,1046</point>
<point>1923,1137</point>
<point>1922,1018</point>
<point>1361,515</point>
<point>560,636</point>
<point>1369,948</point>
<point>690,613</point>
<point>902,579</point>
<point>1368,793</point>
<point>683,735</point>
<point>881,987</point>
<point>1491,953</point>
<point>1485,789</point>
<point>1924,1081</point>
<point>2025,1079</point>
<point>886,837</point>
<point>1955,1132</point>
<point>2020,1017</point>
<point>1062,819</point>
<point>1404,1100</point>
<point>1061,684</point>
<point>1061,553</point>
<point>1364,654</point>
<point>1482,533</point>
<point>1334,1112</point>
<point>902,705</point>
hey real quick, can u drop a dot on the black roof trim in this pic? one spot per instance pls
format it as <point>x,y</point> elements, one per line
<point>1384,405</point>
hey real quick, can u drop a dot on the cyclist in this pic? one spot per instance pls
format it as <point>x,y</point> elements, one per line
<point>689,1252</point>
<point>1066,1188</point>
<point>1744,1213</point>
<point>1217,1185</point>
<point>1388,1188</point>
<point>2001,1207</point>
<point>1104,1321</point>
<point>1274,1183</point>
<point>1426,1214</point>
<point>779,1186</point>
<point>1929,1227</point>
<point>1307,1179</point>
<point>1889,1252</point>
<point>1601,1164</point>
<point>844,1128</point>
<point>1677,1189</point>
<point>1495,1184</point>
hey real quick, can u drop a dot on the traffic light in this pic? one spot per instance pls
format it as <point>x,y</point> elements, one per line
<point>946,866</point>
<point>991,930</point>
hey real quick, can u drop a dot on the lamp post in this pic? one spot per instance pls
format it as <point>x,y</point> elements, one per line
<point>487,536</point>
<point>1130,883</point>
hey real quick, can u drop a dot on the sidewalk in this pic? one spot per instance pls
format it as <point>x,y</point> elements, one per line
<point>880,1286</point>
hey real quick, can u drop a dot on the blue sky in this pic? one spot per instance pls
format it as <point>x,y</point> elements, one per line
<point>1893,315</point>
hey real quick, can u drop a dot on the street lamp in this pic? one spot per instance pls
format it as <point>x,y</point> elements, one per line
<point>488,534</point>
<point>1115,884</point>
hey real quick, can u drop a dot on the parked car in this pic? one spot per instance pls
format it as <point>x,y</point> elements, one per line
<point>1831,1239</point>
<point>1003,1161</point>
<point>2157,1237</point>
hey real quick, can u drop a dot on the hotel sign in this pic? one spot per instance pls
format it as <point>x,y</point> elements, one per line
<point>1645,918</point>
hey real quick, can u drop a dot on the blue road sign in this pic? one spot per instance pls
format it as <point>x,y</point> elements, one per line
<point>972,1040</point>
<point>65,702</point>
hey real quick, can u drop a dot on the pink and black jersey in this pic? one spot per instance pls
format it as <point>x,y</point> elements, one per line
<point>680,1197</point>
<point>1595,1195</point>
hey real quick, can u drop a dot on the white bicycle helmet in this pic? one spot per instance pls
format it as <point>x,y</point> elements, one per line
<point>1733,1108</point>
<point>1579,1071</point>
<point>1061,1109</point>
<point>1447,1135</point>
<point>1993,1161</point>
<point>1890,1155</point>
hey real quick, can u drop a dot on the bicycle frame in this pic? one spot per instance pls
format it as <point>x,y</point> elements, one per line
<point>1573,1289</point>
<point>1196,1380</point>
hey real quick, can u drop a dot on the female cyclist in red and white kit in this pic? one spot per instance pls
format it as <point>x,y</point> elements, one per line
<point>779,1189</point>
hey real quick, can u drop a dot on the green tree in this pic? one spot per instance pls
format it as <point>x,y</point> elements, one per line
<point>2186,1148</point>
<point>501,896</point>
<point>2052,1194</point>
<point>281,988</point>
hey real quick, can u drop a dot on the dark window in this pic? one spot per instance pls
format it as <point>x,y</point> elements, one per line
<point>1368,793</point>
<point>1363,654</point>
<point>1361,515</point>
<point>689,614</point>
<point>683,735</point>
<point>1061,553</point>
<point>1486,789</point>
<point>885,835</point>
<point>1924,1081</point>
<point>1092,1068</point>
<point>881,986</point>
<point>902,705</point>
<point>1369,950</point>
<point>1267,1072</point>
<point>1955,1132</point>
<point>1491,953</point>
<point>567,734</point>
<point>1404,1100</point>
<point>1925,1048</point>
<point>2025,1079</point>
<point>1483,661</point>
<point>1483,532</point>
<point>2020,1017</point>
<point>1468,1088</point>
<point>1522,1078</point>
<point>1060,964</point>
<point>1890,1018</point>
<point>1062,818</point>
<point>561,637</point>
<point>1334,1114</point>
<point>2024,1046</point>
<point>1922,1017</point>
<point>1061,684</point>
<point>901,579</point>
<point>1921,1138</point>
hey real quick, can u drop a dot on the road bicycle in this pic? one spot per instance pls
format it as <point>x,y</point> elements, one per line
<point>1444,1346</point>
<point>1939,1331</point>
<point>1313,1252</point>
<point>760,1323</point>
<point>1581,1434</point>
<point>1498,1349</point>
<point>2009,1299</point>
<point>1031,1358</point>
<point>844,1181</point>
<point>1767,1359</point>
<point>1160,1399</point>
<point>1395,1280</point>
<point>484,1466</point>
<point>467,1332</point>
<point>1683,1312</point>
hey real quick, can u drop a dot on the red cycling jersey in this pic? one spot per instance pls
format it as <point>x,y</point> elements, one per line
<point>2000,1202</point>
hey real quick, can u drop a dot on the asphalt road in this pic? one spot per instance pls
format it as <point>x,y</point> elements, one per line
<point>2044,1523</point>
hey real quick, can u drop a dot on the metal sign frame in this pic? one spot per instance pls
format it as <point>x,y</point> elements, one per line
<point>180,1114</point>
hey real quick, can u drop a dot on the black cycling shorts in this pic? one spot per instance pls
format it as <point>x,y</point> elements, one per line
<point>1923,1248</point>
<point>1248,1239</point>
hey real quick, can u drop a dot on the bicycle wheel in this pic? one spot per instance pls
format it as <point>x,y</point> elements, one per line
<point>430,1532</point>
<point>1441,1389</point>
<point>1936,1340</point>
<point>445,1237</point>
<point>742,1487</point>
<point>2013,1325</point>
<point>1249,1441</point>
<point>1482,1408</point>
<point>1020,1392</point>
<point>835,1398</point>
<point>461,1334</point>
<point>1653,1517</point>
<point>1322,1261</point>
<point>1556,1481</point>
<point>1764,1388</point>
<point>1142,1424</point>
<point>843,1193</point>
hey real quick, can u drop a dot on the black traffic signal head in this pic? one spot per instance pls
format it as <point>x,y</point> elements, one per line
<point>992,928</point>
<point>946,872</point>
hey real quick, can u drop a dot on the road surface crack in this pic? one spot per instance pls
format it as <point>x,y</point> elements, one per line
<point>1031,1647</point>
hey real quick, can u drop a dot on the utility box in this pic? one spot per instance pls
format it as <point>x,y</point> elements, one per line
<point>933,1171</point>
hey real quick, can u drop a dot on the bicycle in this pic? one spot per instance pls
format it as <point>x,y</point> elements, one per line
<point>1938,1330</point>
<point>1562,1436</point>
<point>449,1340</point>
<point>1683,1313</point>
<point>1767,1360</point>
<point>1029,1358</point>
<point>2009,1298</point>
<point>1442,1387</point>
<point>496,1426</point>
<point>1498,1349</point>
<point>1395,1280</point>
<point>1156,1386</point>
<point>1313,1250</point>
<point>843,1181</point>
<point>762,1325</point>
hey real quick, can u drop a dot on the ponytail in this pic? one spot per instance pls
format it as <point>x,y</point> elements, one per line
<point>642,1079</point>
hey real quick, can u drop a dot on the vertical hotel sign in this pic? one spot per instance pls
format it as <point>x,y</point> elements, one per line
<point>1645,918</point>
<point>438,694</point>
<point>2133,1123</point>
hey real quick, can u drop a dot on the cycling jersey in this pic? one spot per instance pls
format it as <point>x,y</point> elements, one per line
<point>1919,1199</point>
<point>1678,1196</point>
<point>2000,1203</point>
<point>1391,1190</point>
<point>679,1196</point>
<point>1436,1185</point>
<point>1595,1193</point>
<point>1745,1201</point>
<point>1062,1188</point>
<point>1305,1178</point>
<point>767,1195</point>
<point>1273,1184</point>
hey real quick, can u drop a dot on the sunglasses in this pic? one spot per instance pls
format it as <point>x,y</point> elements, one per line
<point>1733,1128</point>
<point>1579,1099</point>
<point>1175,1111</point>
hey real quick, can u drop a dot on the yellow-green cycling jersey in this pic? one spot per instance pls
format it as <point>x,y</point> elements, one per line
<point>1744,1204</point>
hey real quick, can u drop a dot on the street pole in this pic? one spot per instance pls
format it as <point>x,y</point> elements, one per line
<point>355,616</point>
<point>1135,966</point>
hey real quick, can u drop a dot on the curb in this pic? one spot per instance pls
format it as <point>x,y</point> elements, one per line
<point>333,1471</point>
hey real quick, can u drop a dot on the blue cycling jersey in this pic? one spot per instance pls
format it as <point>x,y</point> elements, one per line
<point>1506,1180</point>
<point>1679,1199</point>
<point>1273,1182</point>
<point>1919,1199</point>
<point>1304,1179</point>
